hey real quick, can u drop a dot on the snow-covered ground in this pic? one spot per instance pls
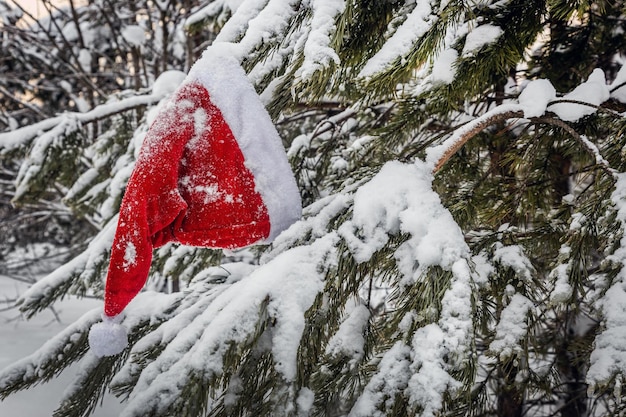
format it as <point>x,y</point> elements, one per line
<point>19,338</point>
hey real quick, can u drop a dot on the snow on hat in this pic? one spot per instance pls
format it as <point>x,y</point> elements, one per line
<point>212,171</point>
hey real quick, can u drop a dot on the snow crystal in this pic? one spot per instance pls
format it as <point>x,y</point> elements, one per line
<point>402,42</point>
<point>444,70</point>
<point>593,91</point>
<point>482,35</point>
<point>535,97</point>
<point>511,327</point>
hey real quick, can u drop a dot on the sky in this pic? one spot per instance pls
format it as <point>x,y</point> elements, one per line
<point>35,7</point>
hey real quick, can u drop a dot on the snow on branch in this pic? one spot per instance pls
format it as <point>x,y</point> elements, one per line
<point>66,347</point>
<point>609,356</point>
<point>68,122</point>
<point>259,23</point>
<point>402,42</point>
<point>437,156</point>
<point>512,327</point>
<point>318,51</point>
<point>58,283</point>
<point>284,288</point>
<point>213,10</point>
<point>400,200</point>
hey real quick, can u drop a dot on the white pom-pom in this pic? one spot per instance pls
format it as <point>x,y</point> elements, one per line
<point>109,337</point>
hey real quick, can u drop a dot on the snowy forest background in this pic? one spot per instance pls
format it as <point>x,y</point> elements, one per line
<point>462,168</point>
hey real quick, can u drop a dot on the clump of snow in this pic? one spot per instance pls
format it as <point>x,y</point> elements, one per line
<point>391,378</point>
<point>217,9</point>
<point>536,96</point>
<point>400,199</point>
<point>444,71</point>
<point>618,86</point>
<point>594,91</point>
<point>512,327</point>
<point>349,340</point>
<point>108,338</point>
<point>430,380</point>
<point>133,34</point>
<point>167,82</point>
<point>482,35</point>
<point>562,291</point>
<point>238,22</point>
<point>259,23</point>
<point>318,53</point>
<point>305,401</point>
<point>513,256</point>
<point>84,59</point>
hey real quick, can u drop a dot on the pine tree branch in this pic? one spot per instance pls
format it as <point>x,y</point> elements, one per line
<point>332,122</point>
<point>20,137</point>
<point>471,129</point>
<point>586,143</point>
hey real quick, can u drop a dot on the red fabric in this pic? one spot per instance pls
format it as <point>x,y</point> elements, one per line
<point>190,185</point>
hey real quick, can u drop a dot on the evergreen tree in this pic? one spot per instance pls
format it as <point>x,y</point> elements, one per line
<point>462,249</point>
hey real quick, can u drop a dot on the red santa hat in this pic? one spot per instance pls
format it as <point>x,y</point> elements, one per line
<point>212,172</point>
